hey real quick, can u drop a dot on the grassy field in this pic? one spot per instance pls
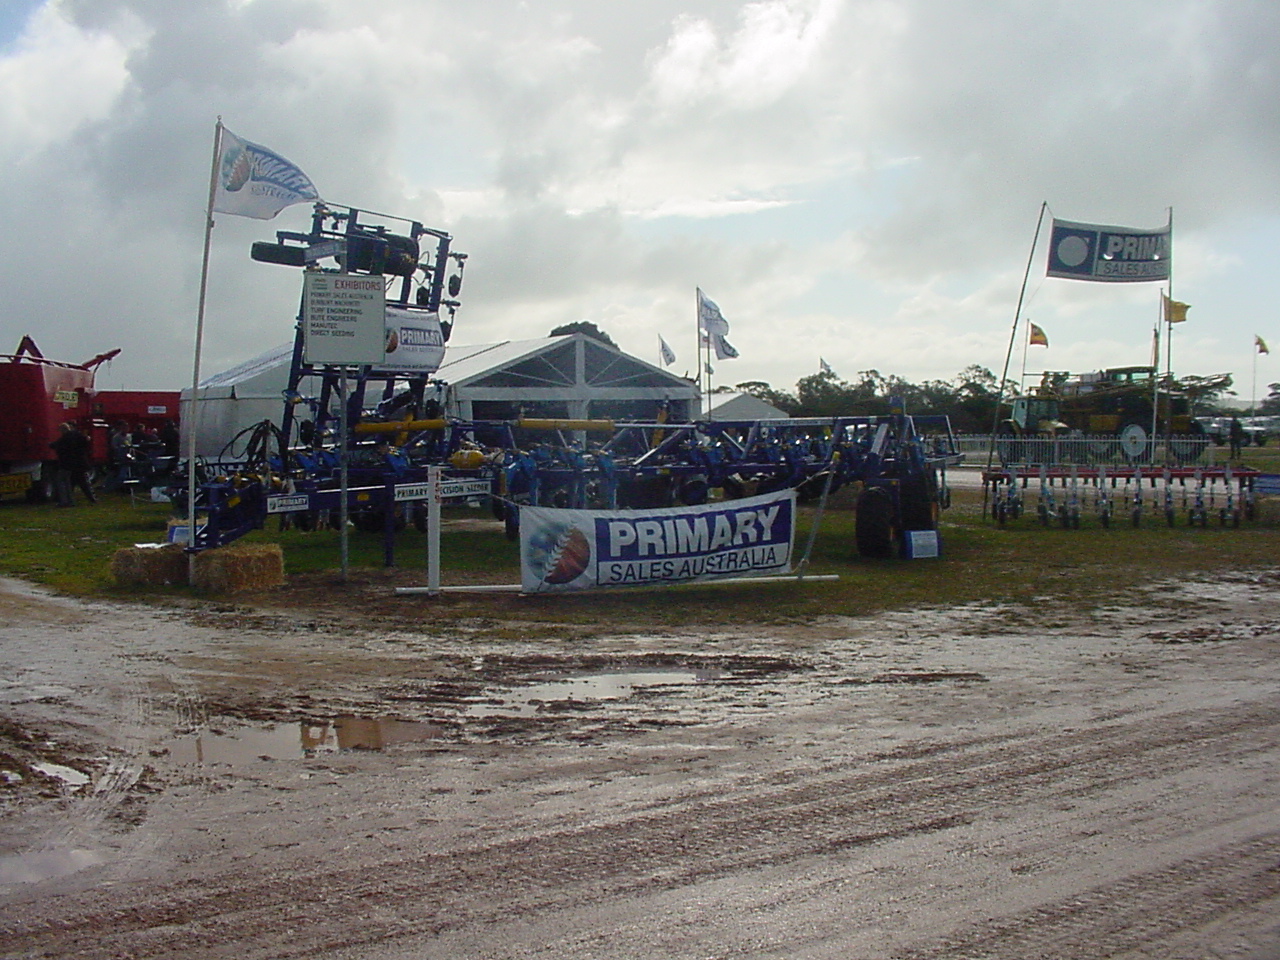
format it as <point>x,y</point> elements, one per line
<point>71,549</point>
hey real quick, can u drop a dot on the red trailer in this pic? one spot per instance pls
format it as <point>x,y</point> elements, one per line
<point>37,395</point>
<point>151,408</point>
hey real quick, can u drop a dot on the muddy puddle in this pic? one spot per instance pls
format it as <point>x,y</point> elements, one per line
<point>530,700</point>
<point>238,745</point>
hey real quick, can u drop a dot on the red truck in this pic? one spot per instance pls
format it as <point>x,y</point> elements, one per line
<point>36,396</point>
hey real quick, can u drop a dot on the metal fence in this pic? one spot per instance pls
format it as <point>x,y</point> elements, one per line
<point>1087,450</point>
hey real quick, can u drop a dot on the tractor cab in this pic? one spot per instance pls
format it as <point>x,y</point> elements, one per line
<point>1035,415</point>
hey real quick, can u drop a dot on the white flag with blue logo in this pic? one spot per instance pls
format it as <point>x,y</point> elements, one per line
<point>665,352</point>
<point>253,181</point>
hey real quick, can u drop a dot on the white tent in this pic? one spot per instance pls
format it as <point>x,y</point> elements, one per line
<point>741,406</point>
<point>572,376</point>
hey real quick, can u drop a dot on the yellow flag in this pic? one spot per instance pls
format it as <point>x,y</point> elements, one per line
<point>1174,310</point>
<point>1038,337</point>
<point>1260,344</point>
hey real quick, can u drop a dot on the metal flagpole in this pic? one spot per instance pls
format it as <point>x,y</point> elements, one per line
<point>192,410</point>
<point>1168,347</point>
<point>1013,334</point>
<point>697,333</point>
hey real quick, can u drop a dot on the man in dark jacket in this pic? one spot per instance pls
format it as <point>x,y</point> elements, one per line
<point>72,448</point>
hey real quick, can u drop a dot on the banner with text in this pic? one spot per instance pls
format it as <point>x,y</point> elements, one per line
<point>582,549</point>
<point>1085,251</point>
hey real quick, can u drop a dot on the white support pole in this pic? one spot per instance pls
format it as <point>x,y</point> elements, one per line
<point>194,407</point>
<point>435,476</point>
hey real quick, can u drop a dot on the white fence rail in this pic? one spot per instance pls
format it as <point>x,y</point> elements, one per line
<point>1087,450</point>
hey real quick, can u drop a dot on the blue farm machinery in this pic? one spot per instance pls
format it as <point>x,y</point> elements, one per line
<point>377,431</point>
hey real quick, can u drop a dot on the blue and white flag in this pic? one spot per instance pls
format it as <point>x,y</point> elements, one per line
<point>710,320</point>
<point>665,352</point>
<point>1086,251</point>
<point>723,348</point>
<point>253,181</point>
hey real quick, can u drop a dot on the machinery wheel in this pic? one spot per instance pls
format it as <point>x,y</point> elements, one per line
<point>874,531</point>
<point>1133,440</point>
<point>1187,448</point>
<point>918,497</point>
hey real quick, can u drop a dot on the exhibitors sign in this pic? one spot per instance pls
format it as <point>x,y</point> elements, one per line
<point>344,318</point>
<point>582,549</point>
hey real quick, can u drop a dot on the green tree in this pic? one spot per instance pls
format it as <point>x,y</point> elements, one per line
<point>583,326</point>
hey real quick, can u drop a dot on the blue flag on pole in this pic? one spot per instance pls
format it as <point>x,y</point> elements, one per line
<point>253,181</point>
<point>1086,251</point>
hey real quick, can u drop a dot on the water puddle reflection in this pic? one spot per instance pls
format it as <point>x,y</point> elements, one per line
<point>296,741</point>
<point>45,864</point>
<point>528,701</point>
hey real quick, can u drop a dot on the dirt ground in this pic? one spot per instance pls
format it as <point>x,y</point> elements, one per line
<point>334,775</point>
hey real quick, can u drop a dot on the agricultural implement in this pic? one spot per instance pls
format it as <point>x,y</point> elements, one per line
<point>393,438</point>
<point>1065,495</point>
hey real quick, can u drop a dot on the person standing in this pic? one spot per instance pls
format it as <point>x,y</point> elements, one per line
<point>72,449</point>
<point>1235,436</point>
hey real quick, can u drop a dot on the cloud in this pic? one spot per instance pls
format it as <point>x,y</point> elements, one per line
<point>858,181</point>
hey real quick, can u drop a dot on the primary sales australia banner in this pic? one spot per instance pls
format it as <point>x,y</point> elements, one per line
<point>581,549</point>
<point>1086,251</point>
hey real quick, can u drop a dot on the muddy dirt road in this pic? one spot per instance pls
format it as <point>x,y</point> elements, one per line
<point>987,782</point>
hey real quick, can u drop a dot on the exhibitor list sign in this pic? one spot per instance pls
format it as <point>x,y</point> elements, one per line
<point>344,317</point>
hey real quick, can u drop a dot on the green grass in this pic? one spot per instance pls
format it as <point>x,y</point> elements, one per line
<point>70,550</point>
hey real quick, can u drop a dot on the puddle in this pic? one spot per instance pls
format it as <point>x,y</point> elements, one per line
<point>71,778</point>
<point>295,741</point>
<point>527,701</point>
<point>45,865</point>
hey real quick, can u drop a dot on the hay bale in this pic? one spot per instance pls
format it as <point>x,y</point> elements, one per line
<point>149,566</point>
<point>238,568</point>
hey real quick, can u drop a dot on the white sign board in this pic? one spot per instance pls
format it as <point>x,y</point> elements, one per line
<point>344,317</point>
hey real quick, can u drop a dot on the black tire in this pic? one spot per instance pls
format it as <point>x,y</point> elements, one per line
<point>918,497</point>
<point>874,530</point>
<point>511,522</point>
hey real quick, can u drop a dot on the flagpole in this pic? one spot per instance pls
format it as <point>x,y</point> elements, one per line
<point>697,337</point>
<point>1013,335</point>
<point>1026,345</point>
<point>195,365</point>
<point>1168,348</point>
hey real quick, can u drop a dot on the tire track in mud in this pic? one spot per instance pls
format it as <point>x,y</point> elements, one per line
<point>777,819</point>
<point>1143,910</point>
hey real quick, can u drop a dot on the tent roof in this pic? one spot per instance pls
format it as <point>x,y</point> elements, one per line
<point>544,363</point>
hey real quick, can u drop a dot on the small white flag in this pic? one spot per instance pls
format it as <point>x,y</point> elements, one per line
<point>665,352</point>
<point>710,319</point>
<point>825,367</point>
<point>252,181</point>
<point>723,348</point>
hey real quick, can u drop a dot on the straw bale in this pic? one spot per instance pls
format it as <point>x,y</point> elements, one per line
<point>149,566</point>
<point>239,568</point>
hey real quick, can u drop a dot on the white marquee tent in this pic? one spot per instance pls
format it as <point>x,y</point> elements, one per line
<point>567,376</point>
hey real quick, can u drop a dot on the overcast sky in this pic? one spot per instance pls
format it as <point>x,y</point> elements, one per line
<point>856,180</point>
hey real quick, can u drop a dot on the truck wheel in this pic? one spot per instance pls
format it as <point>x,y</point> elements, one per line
<point>874,532</point>
<point>1133,440</point>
